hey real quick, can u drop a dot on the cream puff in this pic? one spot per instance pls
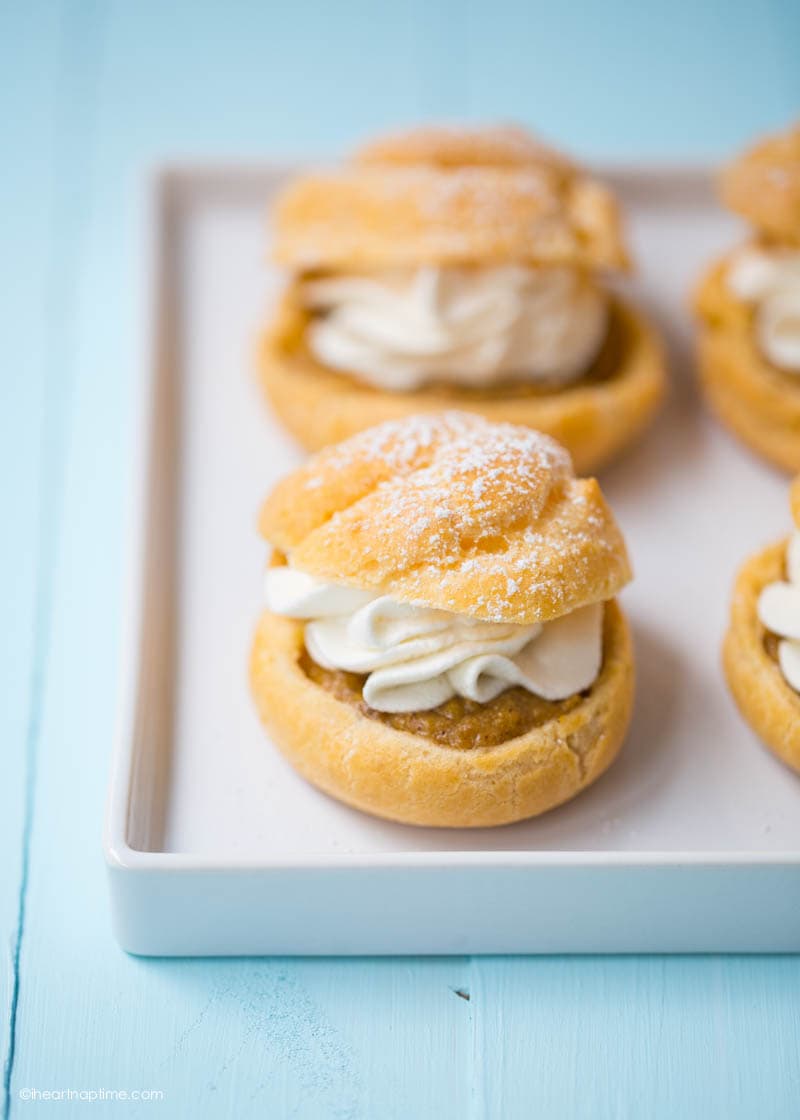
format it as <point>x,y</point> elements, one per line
<point>749,306</point>
<point>761,654</point>
<point>441,643</point>
<point>457,269</point>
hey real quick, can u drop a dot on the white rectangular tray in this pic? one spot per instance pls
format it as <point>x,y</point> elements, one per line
<point>215,846</point>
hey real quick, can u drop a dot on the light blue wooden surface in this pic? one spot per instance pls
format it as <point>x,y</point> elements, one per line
<point>90,94</point>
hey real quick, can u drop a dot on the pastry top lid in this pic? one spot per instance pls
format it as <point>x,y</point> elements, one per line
<point>448,197</point>
<point>449,511</point>
<point>763,185</point>
<point>501,145</point>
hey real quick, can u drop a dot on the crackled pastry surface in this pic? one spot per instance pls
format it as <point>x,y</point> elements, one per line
<point>763,185</point>
<point>453,513</point>
<point>442,146</point>
<point>378,217</point>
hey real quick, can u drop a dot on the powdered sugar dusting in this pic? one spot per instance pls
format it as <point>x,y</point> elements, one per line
<point>458,513</point>
<point>450,145</point>
<point>466,447</point>
<point>376,216</point>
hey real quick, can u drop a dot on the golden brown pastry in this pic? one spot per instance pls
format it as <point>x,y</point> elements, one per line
<point>761,654</point>
<point>503,145</point>
<point>763,185</point>
<point>748,305</point>
<point>449,268</point>
<point>441,644</point>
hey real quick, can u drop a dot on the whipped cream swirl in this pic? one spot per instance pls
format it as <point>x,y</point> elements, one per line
<point>779,611</point>
<point>770,279</point>
<point>416,658</point>
<point>469,326</point>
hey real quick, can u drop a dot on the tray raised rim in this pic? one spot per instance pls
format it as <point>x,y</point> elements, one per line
<point>164,183</point>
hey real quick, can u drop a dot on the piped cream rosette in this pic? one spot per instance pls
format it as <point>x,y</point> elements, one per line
<point>416,658</point>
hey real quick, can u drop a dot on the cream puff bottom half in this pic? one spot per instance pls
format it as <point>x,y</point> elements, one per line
<point>768,704</point>
<point>408,778</point>
<point>757,402</point>
<point>593,419</point>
